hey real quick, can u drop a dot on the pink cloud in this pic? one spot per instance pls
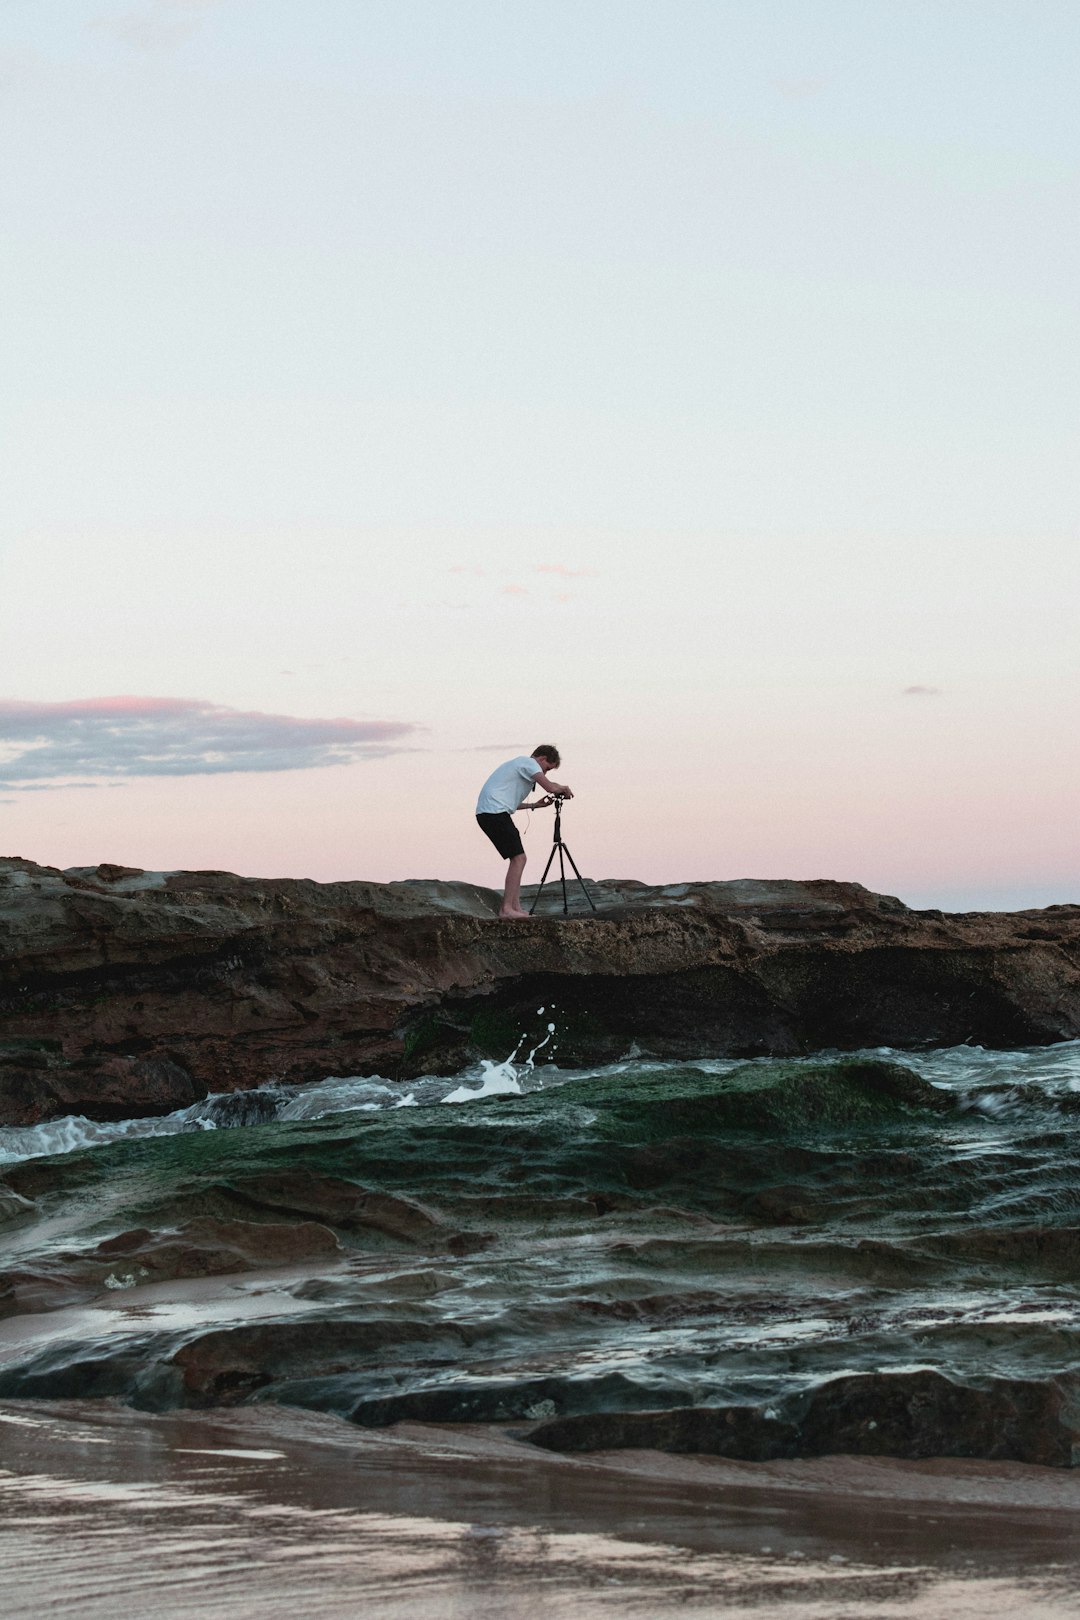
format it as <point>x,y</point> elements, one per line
<point>922,691</point>
<point>49,744</point>
<point>566,573</point>
<point>123,703</point>
<point>514,590</point>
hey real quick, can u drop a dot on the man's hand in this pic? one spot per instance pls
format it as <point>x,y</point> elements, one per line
<point>554,789</point>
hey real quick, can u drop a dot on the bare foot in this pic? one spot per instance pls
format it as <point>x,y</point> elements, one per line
<point>518,913</point>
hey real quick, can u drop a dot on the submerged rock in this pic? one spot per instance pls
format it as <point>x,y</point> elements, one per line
<point>199,1248</point>
<point>128,993</point>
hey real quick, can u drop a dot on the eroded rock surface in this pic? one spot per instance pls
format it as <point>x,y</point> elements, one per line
<point>133,993</point>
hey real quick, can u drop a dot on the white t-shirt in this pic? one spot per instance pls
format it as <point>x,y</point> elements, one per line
<point>508,786</point>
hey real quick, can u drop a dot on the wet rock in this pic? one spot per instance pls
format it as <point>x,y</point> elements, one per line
<point>130,993</point>
<point>913,1415</point>
<point>87,1369</point>
<point>223,1367</point>
<point>788,1206</point>
<point>38,1082</point>
<point>205,1248</point>
<point>202,1248</point>
<point>345,1205</point>
<point>241,1108</point>
<point>749,1433</point>
<point>13,1206</point>
<point>1052,1249</point>
<point>927,1415</point>
<point>500,1400</point>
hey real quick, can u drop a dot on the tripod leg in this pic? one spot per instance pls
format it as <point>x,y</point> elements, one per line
<point>543,880</point>
<point>562,879</point>
<point>579,877</point>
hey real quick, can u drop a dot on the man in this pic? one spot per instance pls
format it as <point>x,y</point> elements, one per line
<point>505,791</point>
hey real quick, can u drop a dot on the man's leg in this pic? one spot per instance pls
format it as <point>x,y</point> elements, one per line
<point>511,905</point>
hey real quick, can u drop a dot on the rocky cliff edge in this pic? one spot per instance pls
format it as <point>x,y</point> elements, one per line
<point>125,992</point>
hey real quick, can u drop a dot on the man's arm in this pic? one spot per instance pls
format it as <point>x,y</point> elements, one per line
<point>556,789</point>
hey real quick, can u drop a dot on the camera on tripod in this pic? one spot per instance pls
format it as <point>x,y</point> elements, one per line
<point>560,849</point>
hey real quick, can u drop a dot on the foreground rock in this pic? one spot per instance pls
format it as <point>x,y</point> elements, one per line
<point>909,1414</point>
<point>130,993</point>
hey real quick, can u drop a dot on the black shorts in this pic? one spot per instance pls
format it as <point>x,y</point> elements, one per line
<point>503,833</point>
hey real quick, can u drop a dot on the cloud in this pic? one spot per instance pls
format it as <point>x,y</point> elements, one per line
<point>52,787</point>
<point>156,24</point>
<point>514,590</point>
<point>47,745</point>
<point>564,572</point>
<point>922,691</point>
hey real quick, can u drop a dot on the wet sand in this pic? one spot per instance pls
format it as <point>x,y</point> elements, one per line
<point>268,1512</point>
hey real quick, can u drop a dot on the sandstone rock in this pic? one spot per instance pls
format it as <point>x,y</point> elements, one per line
<point>126,992</point>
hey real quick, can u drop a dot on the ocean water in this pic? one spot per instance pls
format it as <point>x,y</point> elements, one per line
<point>873,1252</point>
<point>991,1082</point>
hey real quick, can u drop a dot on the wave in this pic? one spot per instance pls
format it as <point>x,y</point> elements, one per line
<point>998,1084</point>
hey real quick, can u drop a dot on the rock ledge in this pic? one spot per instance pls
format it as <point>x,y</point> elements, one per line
<point>125,992</point>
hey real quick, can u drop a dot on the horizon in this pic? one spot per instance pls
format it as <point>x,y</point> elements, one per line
<point>692,386</point>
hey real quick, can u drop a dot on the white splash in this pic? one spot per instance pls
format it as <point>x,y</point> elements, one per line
<point>497,1080</point>
<point>508,1078</point>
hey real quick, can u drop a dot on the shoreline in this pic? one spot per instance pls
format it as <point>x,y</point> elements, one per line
<point>273,1511</point>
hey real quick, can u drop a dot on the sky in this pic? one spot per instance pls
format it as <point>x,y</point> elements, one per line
<point>391,386</point>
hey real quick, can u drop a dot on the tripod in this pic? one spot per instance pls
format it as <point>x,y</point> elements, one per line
<point>559,847</point>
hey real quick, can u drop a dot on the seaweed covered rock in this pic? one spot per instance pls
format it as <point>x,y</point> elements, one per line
<point>761,1096</point>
